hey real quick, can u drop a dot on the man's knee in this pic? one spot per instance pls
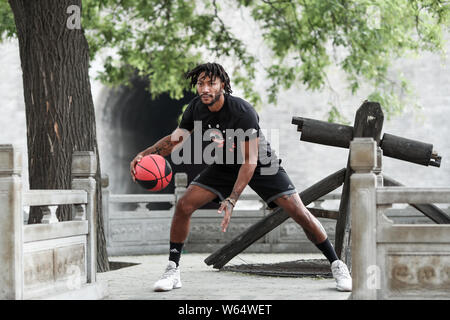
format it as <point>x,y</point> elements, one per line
<point>292,204</point>
<point>184,207</point>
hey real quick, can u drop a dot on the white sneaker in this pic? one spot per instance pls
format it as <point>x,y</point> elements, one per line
<point>341,275</point>
<point>170,278</point>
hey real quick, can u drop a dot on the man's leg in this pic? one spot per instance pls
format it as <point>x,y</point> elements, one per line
<point>315,232</point>
<point>195,197</point>
<point>294,206</point>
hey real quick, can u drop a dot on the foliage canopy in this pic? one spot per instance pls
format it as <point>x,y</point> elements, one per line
<point>162,39</point>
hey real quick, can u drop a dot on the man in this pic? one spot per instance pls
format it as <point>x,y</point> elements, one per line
<point>239,160</point>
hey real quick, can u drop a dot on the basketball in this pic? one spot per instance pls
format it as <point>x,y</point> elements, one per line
<point>153,172</point>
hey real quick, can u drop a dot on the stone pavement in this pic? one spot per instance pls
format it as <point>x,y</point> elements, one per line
<point>202,282</point>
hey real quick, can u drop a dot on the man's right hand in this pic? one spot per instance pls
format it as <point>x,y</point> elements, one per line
<point>133,163</point>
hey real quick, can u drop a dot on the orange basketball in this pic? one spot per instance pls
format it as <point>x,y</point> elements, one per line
<point>153,172</point>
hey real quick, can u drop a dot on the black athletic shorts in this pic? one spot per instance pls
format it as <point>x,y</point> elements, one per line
<point>221,181</point>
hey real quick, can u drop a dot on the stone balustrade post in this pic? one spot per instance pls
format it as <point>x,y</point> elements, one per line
<point>11,215</point>
<point>181,182</point>
<point>363,182</point>
<point>84,168</point>
<point>105,205</point>
<point>379,167</point>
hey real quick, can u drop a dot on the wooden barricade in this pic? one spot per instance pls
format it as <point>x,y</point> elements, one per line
<point>368,123</point>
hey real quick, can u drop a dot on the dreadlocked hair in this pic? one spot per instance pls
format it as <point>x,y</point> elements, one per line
<point>212,70</point>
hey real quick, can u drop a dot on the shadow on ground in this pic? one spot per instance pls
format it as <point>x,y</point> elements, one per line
<point>298,268</point>
<point>115,265</point>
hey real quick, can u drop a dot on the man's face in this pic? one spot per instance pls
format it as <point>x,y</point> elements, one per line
<point>208,89</point>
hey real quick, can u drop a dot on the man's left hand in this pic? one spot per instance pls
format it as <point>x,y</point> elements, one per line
<point>228,207</point>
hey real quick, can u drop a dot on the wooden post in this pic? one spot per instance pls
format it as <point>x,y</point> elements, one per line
<point>363,210</point>
<point>368,123</point>
<point>219,258</point>
<point>84,168</point>
<point>11,215</point>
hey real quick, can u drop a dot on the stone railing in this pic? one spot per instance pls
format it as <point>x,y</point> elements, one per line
<point>390,260</point>
<point>52,259</point>
<point>131,228</point>
<point>137,230</point>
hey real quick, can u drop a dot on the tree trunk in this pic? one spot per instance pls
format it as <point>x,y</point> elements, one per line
<point>60,113</point>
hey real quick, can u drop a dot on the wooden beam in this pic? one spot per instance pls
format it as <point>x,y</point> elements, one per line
<point>322,132</point>
<point>323,213</point>
<point>219,258</point>
<point>368,123</point>
<point>407,150</point>
<point>337,135</point>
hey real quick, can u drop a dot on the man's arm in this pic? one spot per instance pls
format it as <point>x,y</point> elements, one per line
<point>250,153</point>
<point>163,147</point>
<point>245,174</point>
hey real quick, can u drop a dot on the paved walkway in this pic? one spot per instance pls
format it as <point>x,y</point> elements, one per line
<point>202,282</point>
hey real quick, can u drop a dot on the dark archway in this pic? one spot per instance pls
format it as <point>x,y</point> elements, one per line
<point>137,121</point>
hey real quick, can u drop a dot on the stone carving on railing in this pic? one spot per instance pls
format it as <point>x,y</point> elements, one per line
<point>138,230</point>
<point>51,259</point>
<point>391,260</point>
<point>142,231</point>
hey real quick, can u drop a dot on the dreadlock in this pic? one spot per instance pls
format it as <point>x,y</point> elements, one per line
<point>212,70</point>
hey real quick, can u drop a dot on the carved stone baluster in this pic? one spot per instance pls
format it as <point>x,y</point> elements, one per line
<point>49,214</point>
<point>318,203</point>
<point>79,212</point>
<point>379,167</point>
<point>84,167</point>
<point>142,206</point>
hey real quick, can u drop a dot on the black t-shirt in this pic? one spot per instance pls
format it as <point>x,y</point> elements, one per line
<point>224,130</point>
